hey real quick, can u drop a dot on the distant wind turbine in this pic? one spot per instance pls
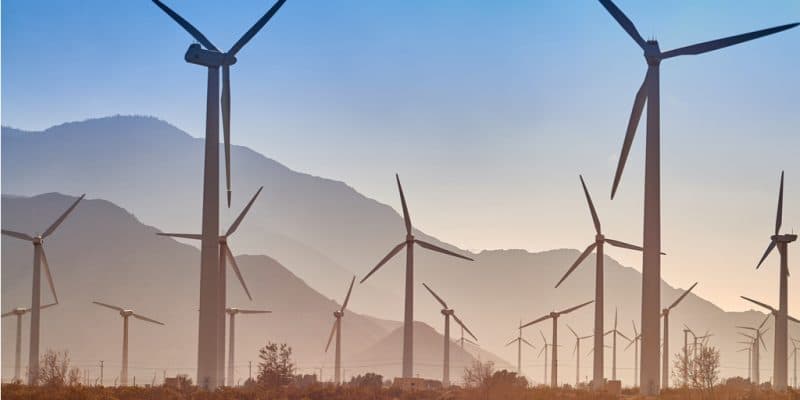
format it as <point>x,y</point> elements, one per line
<point>759,332</point>
<point>749,350</point>
<point>408,316</point>
<point>210,360</point>
<point>225,255</point>
<point>649,92</point>
<point>19,312</point>
<point>598,245</point>
<point>615,332</point>
<point>781,358</point>
<point>447,312</point>
<point>665,358</point>
<point>337,329</point>
<point>232,332</point>
<point>125,314</point>
<point>554,315</point>
<point>794,355</point>
<point>39,260</point>
<point>519,340</point>
<point>576,351</point>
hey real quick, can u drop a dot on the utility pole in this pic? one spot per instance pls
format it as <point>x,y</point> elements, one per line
<point>250,369</point>
<point>101,373</point>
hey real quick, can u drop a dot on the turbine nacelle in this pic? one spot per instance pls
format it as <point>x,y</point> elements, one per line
<point>126,313</point>
<point>338,314</point>
<point>196,54</point>
<point>788,238</point>
<point>652,53</point>
<point>37,240</point>
<point>447,312</point>
<point>599,238</point>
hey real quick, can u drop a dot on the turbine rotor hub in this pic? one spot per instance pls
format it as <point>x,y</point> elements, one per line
<point>338,314</point>
<point>207,58</point>
<point>652,53</point>
<point>223,240</point>
<point>37,240</point>
<point>599,238</point>
<point>447,312</point>
<point>126,313</point>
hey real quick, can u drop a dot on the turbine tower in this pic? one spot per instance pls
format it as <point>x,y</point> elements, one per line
<point>554,360</point>
<point>781,359</point>
<point>337,329</point>
<point>635,342</point>
<point>519,340</point>
<point>576,351</point>
<point>39,260</point>
<point>232,332</point>
<point>210,364</point>
<point>225,255</point>
<point>615,332</point>
<point>598,245</point>
<point>125,314</point>
<point>665,359</point>
<point>650,92</point>
<point>794,355</point>
<point>544,350</point>
<point>19,312</point>
<point>749,350</point>
<point>408,316</point>
<point>447,312</point>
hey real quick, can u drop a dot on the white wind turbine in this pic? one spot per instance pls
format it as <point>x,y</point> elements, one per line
<point>447,312</point>
<point>615,332</point>
<point>597,246</point>
<point>19,312</point>
<point>576,351</point>
<point>635,343</point>
<point>39,260</point>
<point>337,329</point>
<point>554,315</point>
<point>519,340</point>
<point>225,256</point>
<point>749,350</point>
<point>210,358</point>
<point>759,332</point>
<point>232,312</point>
<point>665,359</point>
<point>649,93</point>
<point>408,315</point>
<point>125,314</point>
<point>781,359</point>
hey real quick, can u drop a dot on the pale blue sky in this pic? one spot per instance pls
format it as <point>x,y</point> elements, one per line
<point>488,110</point>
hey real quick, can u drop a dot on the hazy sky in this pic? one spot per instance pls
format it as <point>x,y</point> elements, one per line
<point>488,110</point>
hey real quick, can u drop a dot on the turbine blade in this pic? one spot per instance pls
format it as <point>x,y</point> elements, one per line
<point>771,246</point>
<point>629,345</point>
<point>181,235</point>
<point>635,332</point>
<point>18,235</point>
<point>761,339</point>
<point>507,344</point>
<point>541,351</point>
<point>108,306</point>
<point>779,216</point>
<point>347,298</point>
<point>615,319</point>
<point>623,335</point>
<point>543,338</point>
<point>678,300</point>
<point>255,312</point>
<point>536,321</point>
<point>235,267</point>
<point>235,224</point>
<point>747,336</point>
<point>573,331</point>
<point>458,321</point>
<point>578,262</point>
<point>49,275</point>
<point>256,27</point>
<point>574,348</point>
<point>623,20</point>
<point>571,309</point>
<point>143,318</point>
<point>725,42</point>
<point>439,299</point>
<point>330,338</point>
<point>630,133</point>
<point>406,217</point>
<point>595,218</point>
<point>470,342</point>
<point>440,250</point>
<point>384,260</point>
<point>528,343</point>
<point>764,322</point>
<point>61,219</point>
<point>793,319</point>
<point>186,25</point>
<point>624,245</point>
<point>759,303</point>
<point>225,101</point>
<point>746,327</point>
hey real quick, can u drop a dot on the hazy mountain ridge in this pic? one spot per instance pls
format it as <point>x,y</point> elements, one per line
<point>325,231</point>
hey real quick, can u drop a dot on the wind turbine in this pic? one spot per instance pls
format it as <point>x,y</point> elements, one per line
<point>544,350</point>
<point>758,338</point>
<point>408,316</point>
<point>463,340</point>
<point>519,340</point>
<point>650,92</point>
<point>615,332</point>
<point>554,316</point>
<point>337,329</point>
<point>794,355</point>
<point>665,359</point>
<point>598,244</point>
<point>686,332</point>
<point>125,314</point>
<point>447,312</point>
<point>635,342</point>
<point>781,359</point>
<point>749,350</point>
<point>232,332</point>
<point>577,352</point>
<point>39,260</point>
<point>210,363</point>
<point>19,312</point>
<point>225,255</point>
